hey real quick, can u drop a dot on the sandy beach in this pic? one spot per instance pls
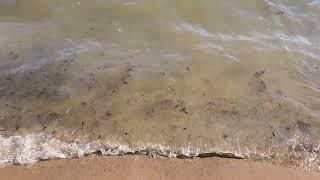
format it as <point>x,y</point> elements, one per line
<point>142,167</point>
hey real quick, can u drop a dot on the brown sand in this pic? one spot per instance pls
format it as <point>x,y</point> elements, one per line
<point>142,167</point>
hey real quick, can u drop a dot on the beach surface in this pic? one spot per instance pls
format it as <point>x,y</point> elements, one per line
<point>176,79</point>
<point>143,167</point>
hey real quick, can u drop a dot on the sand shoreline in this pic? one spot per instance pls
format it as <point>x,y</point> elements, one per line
<point>144,167</point>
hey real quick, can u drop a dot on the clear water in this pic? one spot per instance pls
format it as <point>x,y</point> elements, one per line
<point>172,78</point>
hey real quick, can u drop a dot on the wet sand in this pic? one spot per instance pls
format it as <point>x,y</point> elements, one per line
<point>143,167</point>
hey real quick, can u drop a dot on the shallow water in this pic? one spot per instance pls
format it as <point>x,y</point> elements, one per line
<point>172,78</point>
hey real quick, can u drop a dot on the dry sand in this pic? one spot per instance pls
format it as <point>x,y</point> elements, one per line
<point>143,167</point>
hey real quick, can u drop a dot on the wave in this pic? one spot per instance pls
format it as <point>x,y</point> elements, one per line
<point>32,148</point>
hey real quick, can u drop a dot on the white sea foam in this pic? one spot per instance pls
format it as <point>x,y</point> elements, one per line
<point>35,147</point>
<point>32,148</point>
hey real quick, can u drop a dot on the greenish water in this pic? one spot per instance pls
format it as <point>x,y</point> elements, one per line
<point>170,78</point>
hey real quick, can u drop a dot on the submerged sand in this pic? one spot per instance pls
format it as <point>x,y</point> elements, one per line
<point>158,77</point>
<point>143,167</point>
